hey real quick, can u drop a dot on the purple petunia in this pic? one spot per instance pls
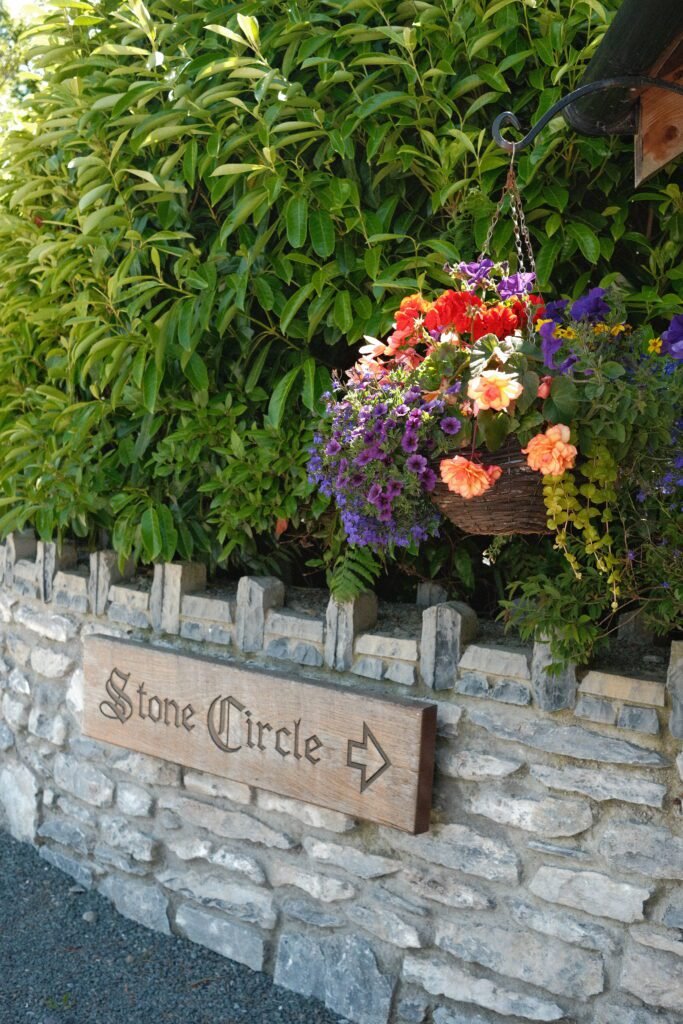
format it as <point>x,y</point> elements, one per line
<point>515,285</point>
<point>374,494</point>
<point>416,464</point>
<point>409,441</point>
<point>550,343</point>
<point>394,488</point>
<point>556,308</point>
<point>333,447</point>
<point>364,457</point>
<point>450,425</point>
<point>591,306</point>
<point>672,338</point>
<point>476,271</point>
<point>428,479</point>
<point>566,365</point>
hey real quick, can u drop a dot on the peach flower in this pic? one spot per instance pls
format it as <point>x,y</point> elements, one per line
<point>544,387</point>
<point>467,478</point>
<point>493,389</point>
<point>551,453</point>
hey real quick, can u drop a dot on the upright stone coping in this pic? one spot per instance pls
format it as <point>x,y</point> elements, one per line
<point>549,887</point>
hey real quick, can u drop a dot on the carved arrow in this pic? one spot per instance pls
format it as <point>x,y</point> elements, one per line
<point>371,756</point>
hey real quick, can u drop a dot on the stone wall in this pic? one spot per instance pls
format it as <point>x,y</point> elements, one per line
<point>549,887</point>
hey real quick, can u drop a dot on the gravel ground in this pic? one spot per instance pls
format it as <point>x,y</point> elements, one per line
<point>56,968</point>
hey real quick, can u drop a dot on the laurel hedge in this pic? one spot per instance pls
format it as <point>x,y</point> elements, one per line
<point>210,204</point>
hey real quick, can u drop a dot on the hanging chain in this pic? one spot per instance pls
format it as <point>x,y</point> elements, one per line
<point>526,262</point>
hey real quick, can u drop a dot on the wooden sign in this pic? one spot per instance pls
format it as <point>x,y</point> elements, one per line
<point>369,756</point>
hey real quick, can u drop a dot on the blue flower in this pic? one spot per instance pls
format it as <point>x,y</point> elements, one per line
<point>591,306</point>
<point>550,344</point>
<point>416,464</point>
<point>672,338</point>
<point>450,425</point>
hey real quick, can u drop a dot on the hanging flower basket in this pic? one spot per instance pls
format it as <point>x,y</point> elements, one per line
<point>507,414</point>
<point>514,505</point>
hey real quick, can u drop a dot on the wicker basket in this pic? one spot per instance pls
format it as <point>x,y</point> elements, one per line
<point>513,505</point>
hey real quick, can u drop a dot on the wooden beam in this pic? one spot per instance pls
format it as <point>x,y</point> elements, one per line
<point>659,138</point>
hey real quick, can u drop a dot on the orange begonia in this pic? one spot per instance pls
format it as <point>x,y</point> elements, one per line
<point>493,389</point>
<point>467,478</point>
<point>550,453</point>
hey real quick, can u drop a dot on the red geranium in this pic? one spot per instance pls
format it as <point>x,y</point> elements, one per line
<point>500,320</point>
<point>520,309</point>
<point>453,311</point>
<point>411,310</point>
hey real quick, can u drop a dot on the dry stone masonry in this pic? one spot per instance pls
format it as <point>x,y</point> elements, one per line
<point>548,888</point>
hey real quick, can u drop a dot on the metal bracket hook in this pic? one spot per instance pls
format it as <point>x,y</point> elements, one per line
<point>508,119</point>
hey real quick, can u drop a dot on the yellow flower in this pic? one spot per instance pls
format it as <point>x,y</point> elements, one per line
<point>494,390</point>
<point>654,346</point>
<point>619,329</point>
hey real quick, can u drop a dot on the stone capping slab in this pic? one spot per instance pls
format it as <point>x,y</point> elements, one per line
<point>283,622</point>
<point>628,688</point>
<point>208,608</point>
<point>131,595</point>
<point>496,661</point>
<point>382,646</point>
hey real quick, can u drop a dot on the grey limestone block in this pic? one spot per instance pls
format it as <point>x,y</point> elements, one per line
<point>552,691</point>
<point>430,593</point>
<point>171,581</point>
<point>6,737</point>
<point>83,780</point>
<point>639,719</point>
<point>471,685</point>
<point>18,547</point>
<point>674,684</point>
<point>256,595</point>
<point>591,892</point>
<point>341,971</point>
<point>235,941</point>
<point>104,571</point>
<point>49,559</point>
<point>237,899</point>
<point>546,962</point>
<point>302,653</point>
<point>572,740</point>
<point>510,692</point>
<point>344,621</point>
<point>70,591</point>
<point>67,833</point>
<point>19,796</point>
<point>654,976</point>
<point>311,913</point>
<point>595,709</point>
<point>210,632</point>
<point>139,901</point>
<point>446,629</point>
<point>447,978</point>
<point>650,850</point>
<point>76,869</point>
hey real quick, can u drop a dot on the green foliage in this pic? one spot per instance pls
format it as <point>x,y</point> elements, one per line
<point>215,199</point>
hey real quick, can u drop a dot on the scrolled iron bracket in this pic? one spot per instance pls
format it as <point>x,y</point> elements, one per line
<point>633,82</point>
